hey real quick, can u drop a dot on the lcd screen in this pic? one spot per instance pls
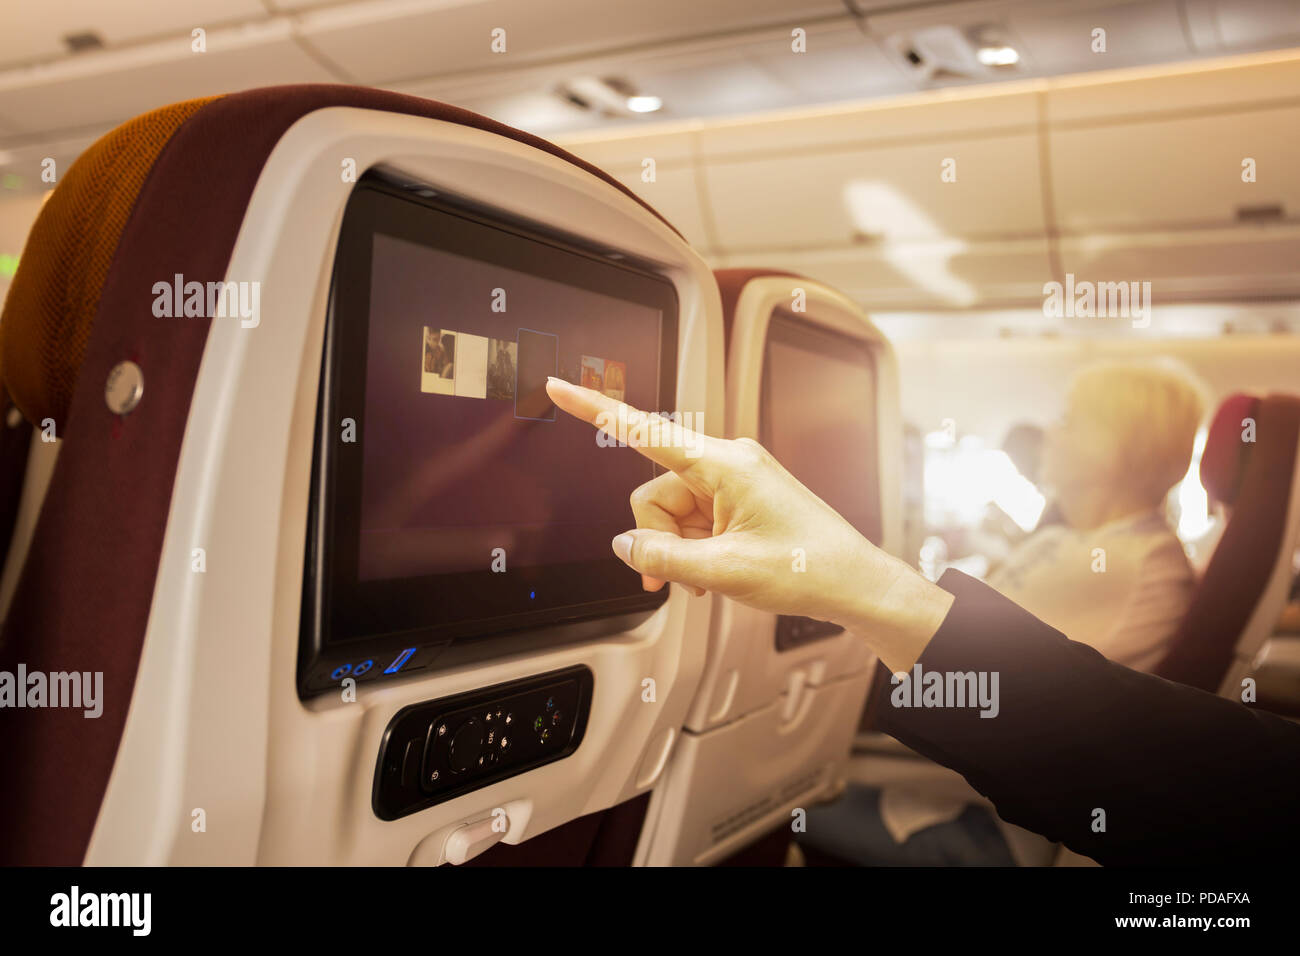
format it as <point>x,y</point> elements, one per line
<point>818,416</point>
<point>452,472</point>
<point>465,504</point>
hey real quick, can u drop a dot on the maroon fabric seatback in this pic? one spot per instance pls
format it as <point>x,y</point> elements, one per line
<point>83,600</point>
<point>1244,560</point>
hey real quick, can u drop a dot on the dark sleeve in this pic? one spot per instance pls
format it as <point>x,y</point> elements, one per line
<point>1183,777</point>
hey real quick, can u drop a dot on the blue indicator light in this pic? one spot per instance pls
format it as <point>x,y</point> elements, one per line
<point>531,595</point>
<point>341,671</point>
<point>362,668</point>
<point>402,658</point>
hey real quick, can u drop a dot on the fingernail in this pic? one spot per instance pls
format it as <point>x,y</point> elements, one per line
<point>622,546</point>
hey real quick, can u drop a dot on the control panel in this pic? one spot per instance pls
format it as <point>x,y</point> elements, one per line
<point>793,631</point>
<point>435,751</point>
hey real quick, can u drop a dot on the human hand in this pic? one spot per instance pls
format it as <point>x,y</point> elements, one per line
<point>727,517</point>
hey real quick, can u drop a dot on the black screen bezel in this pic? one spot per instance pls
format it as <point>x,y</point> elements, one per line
<point>343,613</point>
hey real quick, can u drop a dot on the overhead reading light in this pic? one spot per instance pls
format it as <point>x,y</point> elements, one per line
<point>610,95</point>
<point>993,47</point>
<point>644,104</point>
<point>997,55</point>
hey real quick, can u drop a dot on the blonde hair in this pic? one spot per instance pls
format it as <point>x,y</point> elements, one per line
<point>1153,408</point>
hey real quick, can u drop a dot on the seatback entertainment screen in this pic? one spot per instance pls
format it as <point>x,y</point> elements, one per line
<point>817,416</point>
<point>461,504</point>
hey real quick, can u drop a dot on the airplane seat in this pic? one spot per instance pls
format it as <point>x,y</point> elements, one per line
<point>812,379</point>
<point>51,306</point>
<point>175,322</point>
<point>1250,466</point>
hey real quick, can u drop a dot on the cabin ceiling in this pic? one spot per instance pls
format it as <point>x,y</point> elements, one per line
<point>71,70</point>
<point>1056,178</point>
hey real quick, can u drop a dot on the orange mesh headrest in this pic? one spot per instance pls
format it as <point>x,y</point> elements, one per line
<point>54,297</point>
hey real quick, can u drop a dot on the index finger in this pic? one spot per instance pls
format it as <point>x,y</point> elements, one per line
<point>660,439</point>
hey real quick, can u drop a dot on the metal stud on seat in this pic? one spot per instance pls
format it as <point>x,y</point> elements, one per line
<point>125,387</point>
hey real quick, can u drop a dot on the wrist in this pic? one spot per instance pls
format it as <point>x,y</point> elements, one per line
<point>892,607</point>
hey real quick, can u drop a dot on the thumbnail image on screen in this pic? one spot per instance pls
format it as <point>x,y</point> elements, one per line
<point>818,416</point>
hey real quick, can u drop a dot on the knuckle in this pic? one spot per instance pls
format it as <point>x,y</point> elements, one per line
<point>647,555</point>
<point>641,496</point>
<point>750,453</point>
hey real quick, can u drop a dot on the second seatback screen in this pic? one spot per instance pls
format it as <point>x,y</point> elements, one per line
<point>818,416</point>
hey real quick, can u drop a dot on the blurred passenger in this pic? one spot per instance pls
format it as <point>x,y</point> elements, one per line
<point>1113,574</point>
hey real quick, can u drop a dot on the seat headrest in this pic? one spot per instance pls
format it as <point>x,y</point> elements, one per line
<point>52,302</point>
<point>55,296</point>
<point>1223,462</point>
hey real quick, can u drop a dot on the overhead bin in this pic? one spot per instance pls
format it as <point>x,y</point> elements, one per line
<point>1128,174</point>
<point>1233,262</point>
<point>853,195</point>
<point>1206,85</point>
<point>904,119</point>
<point>945,274</point>
<point>890,193</point>
<point>922,168</point>
<point>378,49</point>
